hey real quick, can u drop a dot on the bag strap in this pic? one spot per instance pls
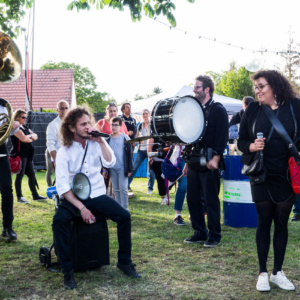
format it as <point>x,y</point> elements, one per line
<point>84,155</point>
<point>282,132</point>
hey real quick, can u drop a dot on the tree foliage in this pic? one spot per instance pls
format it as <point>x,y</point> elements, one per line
<point>234,83</point>
<point>12,11</point>
<point>85,86</point>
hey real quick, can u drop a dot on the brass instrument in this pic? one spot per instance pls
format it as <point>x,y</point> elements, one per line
<point>10,70</point>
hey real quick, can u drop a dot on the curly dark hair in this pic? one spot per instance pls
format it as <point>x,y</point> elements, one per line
<point>70,121</point>
<point>281,87</point>
<point>207,82</point>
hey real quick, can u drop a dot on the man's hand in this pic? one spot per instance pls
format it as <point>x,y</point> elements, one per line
<point>213,164</point>
<point>130,132</point>
<point>87,216</point>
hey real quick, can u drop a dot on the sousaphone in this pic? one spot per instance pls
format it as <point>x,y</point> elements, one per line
<point>10,70</point>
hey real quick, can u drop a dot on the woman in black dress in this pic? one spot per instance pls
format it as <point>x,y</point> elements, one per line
<point>274,198</point>
<point>21,145</point>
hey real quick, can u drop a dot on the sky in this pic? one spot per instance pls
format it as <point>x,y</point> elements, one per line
<point>129,58</point>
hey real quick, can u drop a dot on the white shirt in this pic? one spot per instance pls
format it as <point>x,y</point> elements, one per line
<point>54,139</point>
<point>68,163</point>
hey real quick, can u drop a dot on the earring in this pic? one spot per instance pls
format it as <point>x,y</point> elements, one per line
<point>275,100</point>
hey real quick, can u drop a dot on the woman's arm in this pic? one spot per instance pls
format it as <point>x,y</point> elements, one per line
<point>22,137</point>
<point>34,136</point>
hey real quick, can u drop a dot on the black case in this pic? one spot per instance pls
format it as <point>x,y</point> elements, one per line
<point>89,244</point>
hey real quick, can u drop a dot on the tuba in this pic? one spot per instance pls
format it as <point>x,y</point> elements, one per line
<point>10,70</point>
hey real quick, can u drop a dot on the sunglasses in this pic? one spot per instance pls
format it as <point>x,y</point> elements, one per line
<point>23,118</point>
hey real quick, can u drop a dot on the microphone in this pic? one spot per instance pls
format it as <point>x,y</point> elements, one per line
<point>97,133</point>
<point>260,135</point>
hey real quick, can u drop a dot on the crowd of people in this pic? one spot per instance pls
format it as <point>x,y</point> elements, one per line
<point>71,148</point>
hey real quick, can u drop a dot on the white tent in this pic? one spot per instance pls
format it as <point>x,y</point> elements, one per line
<point>232,105</point>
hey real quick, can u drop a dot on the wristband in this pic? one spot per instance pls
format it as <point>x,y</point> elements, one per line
<point>82,208</point>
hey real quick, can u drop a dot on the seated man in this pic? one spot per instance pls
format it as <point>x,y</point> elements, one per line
<point>83,153</point>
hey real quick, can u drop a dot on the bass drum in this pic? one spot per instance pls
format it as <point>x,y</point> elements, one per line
<point>179,120</point>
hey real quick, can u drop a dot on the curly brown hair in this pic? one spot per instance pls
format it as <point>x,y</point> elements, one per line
<point>70,121</point>
<point>281,87</point>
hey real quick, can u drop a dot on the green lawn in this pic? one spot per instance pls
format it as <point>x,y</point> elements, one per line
<point>170,268</point>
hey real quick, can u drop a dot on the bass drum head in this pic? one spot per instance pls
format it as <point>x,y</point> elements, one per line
<point>189,120</point>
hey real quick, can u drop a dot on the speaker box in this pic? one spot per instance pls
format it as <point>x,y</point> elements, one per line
<point>89,244</point>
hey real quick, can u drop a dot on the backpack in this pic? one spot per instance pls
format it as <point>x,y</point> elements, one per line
<point>171,171</point>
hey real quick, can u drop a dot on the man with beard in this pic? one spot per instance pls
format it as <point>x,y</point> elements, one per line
<point>81,152</point>
<point>203,181</point>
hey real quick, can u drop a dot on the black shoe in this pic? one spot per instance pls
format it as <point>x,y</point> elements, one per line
<point>9,234</point>
<point>296,217</point>
<point>211,244</point>
<point>69,281</point>
<point>196,238</point>
<point>179,221</point>
<point>129,270</point>
<point>39,198</point>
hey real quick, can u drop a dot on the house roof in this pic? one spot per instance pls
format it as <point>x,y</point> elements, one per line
<point>48,87</point>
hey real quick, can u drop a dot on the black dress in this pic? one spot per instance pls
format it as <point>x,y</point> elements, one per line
<point>277,186</point>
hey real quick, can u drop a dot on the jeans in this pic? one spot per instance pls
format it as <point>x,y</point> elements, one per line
<point>181,190</point>
<point>50,169</point>
<point>120,185</point>
<point>151,179</point>
<point>6,192</point>
<point>139,158</point>
<point>102,206</point>
<point>296,208</point>
<point>27,168</point>
<point>203,188</point>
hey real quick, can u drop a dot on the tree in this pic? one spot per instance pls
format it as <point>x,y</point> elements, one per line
<point>157,90</point>
<point>85,86</point>
<point>291,59</point>
<point>234,83</point>
<point>12,11</point>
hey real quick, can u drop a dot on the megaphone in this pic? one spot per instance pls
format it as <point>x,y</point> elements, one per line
<point>81,186</point>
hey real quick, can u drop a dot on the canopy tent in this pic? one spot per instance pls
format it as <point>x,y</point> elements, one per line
<point>232,105</point>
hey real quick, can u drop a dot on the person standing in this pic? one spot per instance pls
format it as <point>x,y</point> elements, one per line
<point>274,197</point>
<point>84,153</point>
<point>122,169</point>
<point>7,200</point>
<point>54,140</point>
<point>22,145</point>
<point>203,183</point>
<point>129,121</point>
<point>143,129</point>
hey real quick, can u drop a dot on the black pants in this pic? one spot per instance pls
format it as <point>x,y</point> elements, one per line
<point>203,189</point>
<point>6,190</point>
<point>102,206</point>
<point>156,167</point>
<point>27,168</point>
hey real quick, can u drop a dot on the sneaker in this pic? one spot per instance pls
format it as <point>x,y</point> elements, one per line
<point>211,244</point>
<point>149,192</point>
<point>69,281</point>
<point>22,200</point>
<point>164,201</point>
<point>196,238</point>
<point>281,280</point>
<point>129,270</point>
<point>296,218</point>
<point>39,198</point>
<point>9,234</point>
<point>130,195</point>
<point>179,221</point>
<point>263,282</point>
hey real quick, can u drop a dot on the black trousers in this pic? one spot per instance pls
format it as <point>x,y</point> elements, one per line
<point>203,190</point>
<point>6,190</point>
<point>27,168</point>
<point>102,206</point>
<point>161,185</point>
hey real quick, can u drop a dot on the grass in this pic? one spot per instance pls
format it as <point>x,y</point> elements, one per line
<point>170,268</point>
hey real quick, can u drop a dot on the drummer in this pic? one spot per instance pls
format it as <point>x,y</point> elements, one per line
<point>143,130</point>
<point>203,182</point>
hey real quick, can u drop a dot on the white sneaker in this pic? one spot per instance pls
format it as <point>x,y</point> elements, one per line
<point>164,201</point>
<point>149,192</point>
<point>263,282</point>
<point>281,280</point>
